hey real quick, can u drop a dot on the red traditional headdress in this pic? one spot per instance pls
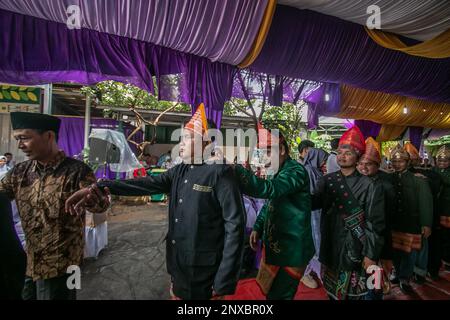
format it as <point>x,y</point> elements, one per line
<point>266,138</point>
<point>354,138</point>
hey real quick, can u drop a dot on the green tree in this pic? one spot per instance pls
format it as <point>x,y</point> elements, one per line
<point>287,118</point>
<point>321,141</point>
<point>121,95</point>
<point>117,94</point>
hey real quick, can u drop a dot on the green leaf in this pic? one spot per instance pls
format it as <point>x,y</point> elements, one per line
<point>6,95</point>
<point>23,96</point>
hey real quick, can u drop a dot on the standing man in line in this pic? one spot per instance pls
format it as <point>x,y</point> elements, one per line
<point>369,165</point>
<point>413,219</point>
<point>428,259</point>
<point>353,222</point>
<point>443,169</point>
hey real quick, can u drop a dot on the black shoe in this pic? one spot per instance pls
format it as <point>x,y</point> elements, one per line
<point>406,288</point>
<point>433,276</point>
<point>419,279</point>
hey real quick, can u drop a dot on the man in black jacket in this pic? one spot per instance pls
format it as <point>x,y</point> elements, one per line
<point>204,244</point>
<point>352,222</point>
<point>428,258</point>
<point>369,165</point>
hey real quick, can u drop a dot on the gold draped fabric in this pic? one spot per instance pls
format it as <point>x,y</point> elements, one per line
<point>388,109</point>
<point>262,34</point>
<point>389,132</point>
<point>438,47</point>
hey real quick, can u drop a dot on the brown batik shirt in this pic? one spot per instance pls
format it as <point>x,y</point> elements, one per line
<point>54,238</point>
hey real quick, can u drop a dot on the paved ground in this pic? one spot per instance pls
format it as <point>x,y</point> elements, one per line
<point>132,267</point>
<point>133,264</point>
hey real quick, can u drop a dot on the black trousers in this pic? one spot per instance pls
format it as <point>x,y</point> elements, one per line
<point>445,242</point>
<point>435,252</point>
<point>48,289</point>
<point>12,275</point>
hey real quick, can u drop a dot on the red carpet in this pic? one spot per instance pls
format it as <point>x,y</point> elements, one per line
<point>248,289</point>
<point>431,290</point>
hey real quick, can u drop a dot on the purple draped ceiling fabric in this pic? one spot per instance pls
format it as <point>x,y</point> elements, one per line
<point>415,136</point>
<point>219,30</point>
<point>308,45</point>
<point>372,129</point>
<point>325,101</point>
<point>437,133</point>
<point>317,47</point>
<point>273,89</point>
<point>72,142</point>
<point>87,57</point>
<point>368,128</point>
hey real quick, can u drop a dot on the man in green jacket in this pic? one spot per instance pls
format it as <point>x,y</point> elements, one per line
<point>284,223</point>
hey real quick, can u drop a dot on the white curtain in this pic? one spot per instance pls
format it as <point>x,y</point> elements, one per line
<point>417,19</point>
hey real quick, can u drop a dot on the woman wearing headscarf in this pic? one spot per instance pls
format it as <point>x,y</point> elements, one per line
<point>313,163</point>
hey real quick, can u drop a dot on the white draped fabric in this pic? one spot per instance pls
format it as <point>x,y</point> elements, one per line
<point>417,19</point>
<point>95,240</point>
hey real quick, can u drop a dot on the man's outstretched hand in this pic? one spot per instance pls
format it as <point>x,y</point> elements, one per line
<point>86,198</point>
<point>254,237</point>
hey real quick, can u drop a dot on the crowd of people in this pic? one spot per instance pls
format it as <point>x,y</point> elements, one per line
<point>329,220</point>
<point>6,163</point>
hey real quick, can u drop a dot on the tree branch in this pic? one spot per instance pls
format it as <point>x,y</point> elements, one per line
<point>241,109</point>
<point>299,92</point>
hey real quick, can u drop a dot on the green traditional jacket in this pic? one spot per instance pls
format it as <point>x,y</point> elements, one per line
<point>285,221</point>
<point>444,196</point>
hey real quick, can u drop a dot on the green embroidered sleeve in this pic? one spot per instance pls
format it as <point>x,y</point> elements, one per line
<point>290,180</point>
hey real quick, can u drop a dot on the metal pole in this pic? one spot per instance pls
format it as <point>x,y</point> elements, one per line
<point>47,103</point>
<point>87,121</point>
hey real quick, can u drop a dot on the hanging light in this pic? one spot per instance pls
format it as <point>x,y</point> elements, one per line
<point>327,97</point>
<point>405,110</point>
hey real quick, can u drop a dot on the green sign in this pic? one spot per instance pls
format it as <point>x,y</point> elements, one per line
<point>22,95</point>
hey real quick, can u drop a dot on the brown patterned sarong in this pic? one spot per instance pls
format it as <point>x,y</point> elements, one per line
<point>406,241</point>
<point>267,273</point>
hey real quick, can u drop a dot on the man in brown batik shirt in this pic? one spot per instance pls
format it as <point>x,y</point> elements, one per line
<point>40,186</point>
